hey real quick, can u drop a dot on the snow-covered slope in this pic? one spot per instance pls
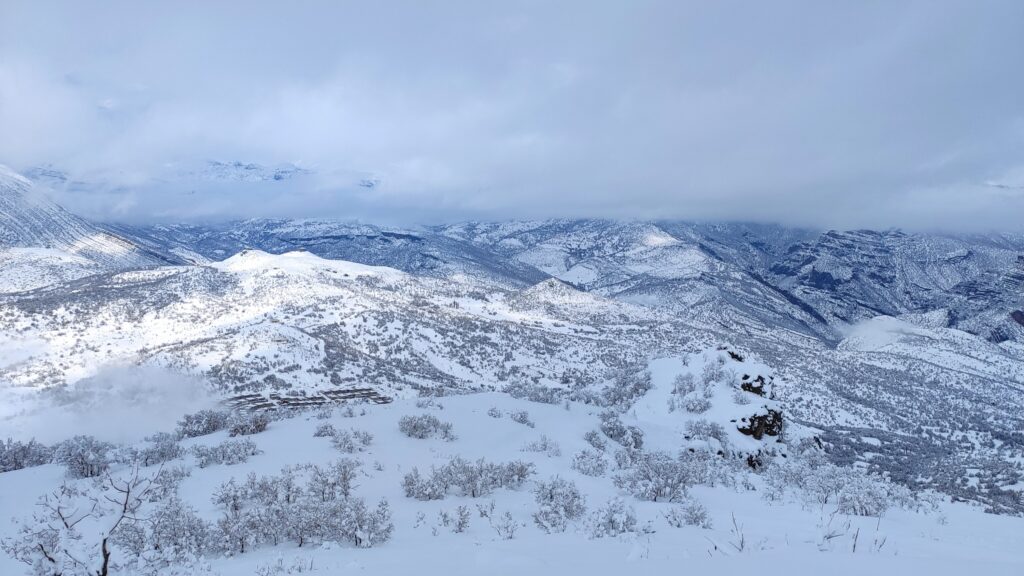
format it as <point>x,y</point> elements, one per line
<point>295,320</point>
<point>910,341</point>
<point>737,523</point>
<point>41,243</point>
<point>30,268</point>
<point>294,324</point>
<point>850,276</point>
<point>746,276</point>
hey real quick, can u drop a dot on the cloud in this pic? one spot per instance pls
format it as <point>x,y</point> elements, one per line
<point>118,404</point>
<point>864,114</point>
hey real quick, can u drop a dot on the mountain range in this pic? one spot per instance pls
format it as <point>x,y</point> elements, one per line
<point>904,351</point>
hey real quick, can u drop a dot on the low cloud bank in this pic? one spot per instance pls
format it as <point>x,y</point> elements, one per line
<point>118,404</point>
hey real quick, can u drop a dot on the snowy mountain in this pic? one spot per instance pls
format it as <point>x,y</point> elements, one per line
<point>888,364</point>
<point>37,234</point>
<point>415,251</point>
<point>977,280</point>
<point>296,324</point>
<point>813,283</point>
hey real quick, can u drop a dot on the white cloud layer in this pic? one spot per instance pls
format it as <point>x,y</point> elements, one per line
<point>814,113</point>
<point>118,404</point>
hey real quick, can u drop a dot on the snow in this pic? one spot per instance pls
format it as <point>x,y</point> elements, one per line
<point>298,263</point>
<point>24,269</point>
<point>780,538</point>
<point>109,344</point>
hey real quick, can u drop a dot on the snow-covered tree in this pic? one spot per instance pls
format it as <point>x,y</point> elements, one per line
<point>627,436</point>
<point>15,455</point>
<point>711,432</point>
<point>202,423</point>
<point>83,456</point>
<point>163,447</point>
<point>544,445</point>
<point>325,430</point>
<point>473,479</point>
<point>351,441</point>
<point>559,502</point>
<point>614,518</point>
<point>657,476</point>
<point>596,440</point>
<point>334,481</point>
<point>170,534</point>
<point>245,424</point>
<point>425,426</point>
<point>626,385</point>
<point>73,531</point>
<point>590,463</point>
<point>228,452</point>
<point>688,513</point>
<point>521,417</point>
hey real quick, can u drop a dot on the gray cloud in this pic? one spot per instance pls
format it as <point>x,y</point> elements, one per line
<point>824,114</point>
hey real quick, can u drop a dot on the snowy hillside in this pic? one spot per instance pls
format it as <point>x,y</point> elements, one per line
<point>812,283</point>
<point>846,395</point>
<point>528,486</point>
<point>73,247</point>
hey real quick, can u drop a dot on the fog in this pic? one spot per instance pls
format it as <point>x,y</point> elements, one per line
<point>118,404</point>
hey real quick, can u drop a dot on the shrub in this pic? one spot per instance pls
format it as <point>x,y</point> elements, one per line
<point>689,513</point>
<point>245,424</point>
<point>83,456</point>
<point>324,431</point>
<point>614,518</point>
<point>473,479</point>
<point>695,403</point>
<point>334,481</point>
<point>545,445</point>
<point>595,439</point>
<point>171,533</point>
<point>505,525</point>
<point>458,522</point>
<point>493,412</point>
<point>425,426</point>
<point>712,373</point>
<point>276,508</point>
<point>433,487</point>
<point>740,397</point>
<point>590,463</point>
<point>657,476</point>
<point>15,455</point>
<point>228,452</point>
<point>354,522</point>
<point>535,393</point>
<point>202,423</point>
<point>521,417</point>
<point>850,490</point>
<point>704,430</point>
<point>351,441</point>
<point>163,447</point>
<point>559,503</point>
<point>628,436</point>
<point>166,482</point>
<point>626,458</point>
<point>627,384</point>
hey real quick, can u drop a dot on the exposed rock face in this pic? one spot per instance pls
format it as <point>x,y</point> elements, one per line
<point>760,425</point>
<point>756,385</point>
<point>1018,316</point>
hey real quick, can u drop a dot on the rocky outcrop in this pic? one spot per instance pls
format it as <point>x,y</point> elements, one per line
<point>768,423</point>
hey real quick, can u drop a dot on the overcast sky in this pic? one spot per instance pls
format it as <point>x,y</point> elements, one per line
<point>826,114</point>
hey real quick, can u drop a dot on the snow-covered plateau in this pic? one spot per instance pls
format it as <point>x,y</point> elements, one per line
<point>566,396</point>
